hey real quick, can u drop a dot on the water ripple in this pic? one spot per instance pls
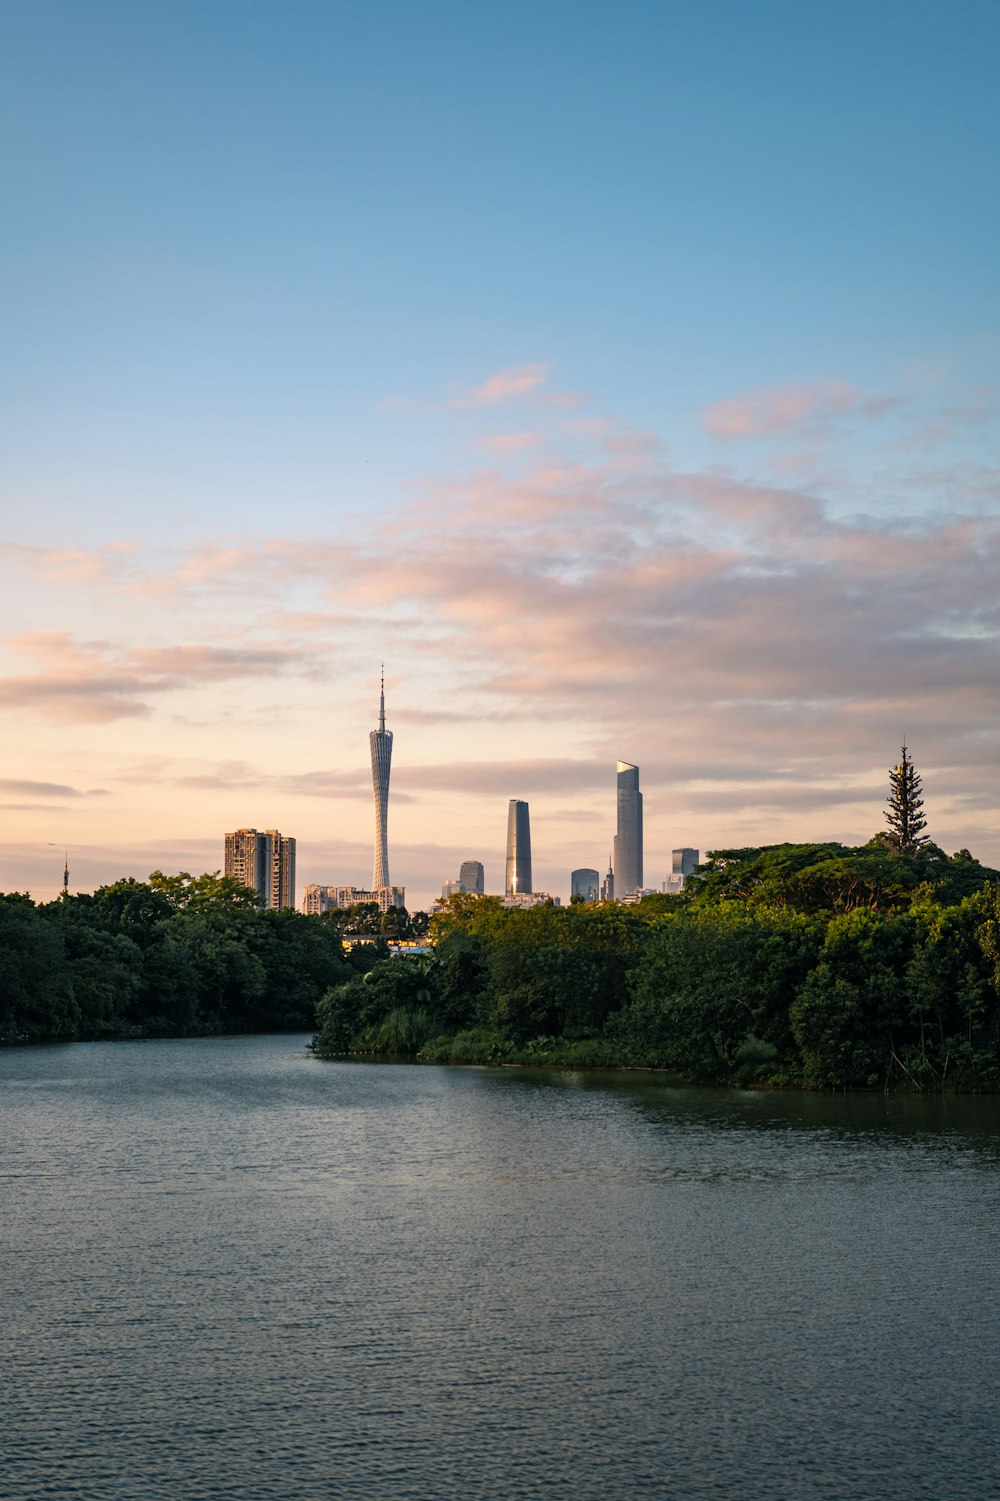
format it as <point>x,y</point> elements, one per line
<point>233,1271</point>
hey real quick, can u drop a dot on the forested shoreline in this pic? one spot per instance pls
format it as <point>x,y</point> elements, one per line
<point>814,966</point>
<point>177,956</point>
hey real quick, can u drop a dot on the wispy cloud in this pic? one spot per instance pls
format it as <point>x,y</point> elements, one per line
<point>98,681</point>
<point>511,442</point>
<point>783,409</point>
<point>756,648</point>
<point>505,386</point>
<point>17,787</point>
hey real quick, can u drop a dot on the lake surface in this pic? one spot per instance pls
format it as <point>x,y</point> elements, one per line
<point>232,1270</point>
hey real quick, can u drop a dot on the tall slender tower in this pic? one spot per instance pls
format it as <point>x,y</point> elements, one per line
<point>518,849</point>
<point>381,744</point>
<point>628,840</point>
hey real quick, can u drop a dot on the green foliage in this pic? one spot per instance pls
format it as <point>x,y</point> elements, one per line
<point>816,965</point>
<point>178,956</point>
<point>205,891</point>
<point>832,878</point>
<point>36,992</point>
<point>710,977</point>
<point>402,1033</point>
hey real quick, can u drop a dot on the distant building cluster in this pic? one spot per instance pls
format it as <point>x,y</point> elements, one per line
<point>265,860</point>
<point>623,881</point>
<point>471,881</point>
<point>682,865</point>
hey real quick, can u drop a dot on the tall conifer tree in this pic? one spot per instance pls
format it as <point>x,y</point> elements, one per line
<point>903,807</point>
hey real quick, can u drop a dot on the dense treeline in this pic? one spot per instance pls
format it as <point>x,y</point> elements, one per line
<point>177,956</point>
<point>813,965</point>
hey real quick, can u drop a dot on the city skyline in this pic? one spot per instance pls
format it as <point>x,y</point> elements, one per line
<point>672,433</point>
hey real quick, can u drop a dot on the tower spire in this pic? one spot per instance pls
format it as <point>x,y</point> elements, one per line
<point>380,741</point>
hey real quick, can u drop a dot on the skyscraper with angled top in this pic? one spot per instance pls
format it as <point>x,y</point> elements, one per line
<point>518,882</point>
<point>381,746</point>
<point>628,840</point>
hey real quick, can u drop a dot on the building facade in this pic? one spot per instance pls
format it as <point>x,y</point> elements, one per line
<point>380,741</point>
<point>281,869</point>
<point>628,840</point>
<point>585,884</point>
<point>317,898</point>
<point>683,863</point>
<point>264,860</point>
<point>524,899</point>
<point>518,876</point>
<point>244,858</point>
<point>471,877</point>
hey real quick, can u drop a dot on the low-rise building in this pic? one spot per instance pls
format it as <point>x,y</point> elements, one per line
<point>317,899</point>
<point>530,899</point>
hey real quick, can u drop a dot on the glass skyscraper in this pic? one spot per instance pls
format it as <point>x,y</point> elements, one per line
<point>628,840</point>
<point>518,881</point>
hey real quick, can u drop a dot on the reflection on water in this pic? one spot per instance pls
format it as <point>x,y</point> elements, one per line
<point>232,1270</point>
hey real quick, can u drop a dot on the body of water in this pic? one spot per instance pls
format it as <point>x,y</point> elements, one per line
<point>231,1270</point>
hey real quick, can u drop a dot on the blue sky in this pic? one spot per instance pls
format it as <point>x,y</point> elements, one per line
<point>260,266</point>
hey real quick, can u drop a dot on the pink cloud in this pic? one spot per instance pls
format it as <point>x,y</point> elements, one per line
<point>512,442</point>
<point>777,409</point>
<point>565,399</point>
<point>98,681</point>
<point>505,386</point>
<point>745,643</point>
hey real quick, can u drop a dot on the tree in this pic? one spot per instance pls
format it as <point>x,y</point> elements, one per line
<point>903,805</point>
<point>396,923</point>
<point>184,891</point>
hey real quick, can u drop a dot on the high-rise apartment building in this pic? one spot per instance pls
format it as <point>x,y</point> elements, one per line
<point>628,840</point>
<point>265,861</point>
<point>585,884</point>
<point>471,877</point>
<point>380,741</point>
<point>518,878</point>
<point>281,871</point>
<point>245,858</point>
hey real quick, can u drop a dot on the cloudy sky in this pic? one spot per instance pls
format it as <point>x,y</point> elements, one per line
<point>625,376</point>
